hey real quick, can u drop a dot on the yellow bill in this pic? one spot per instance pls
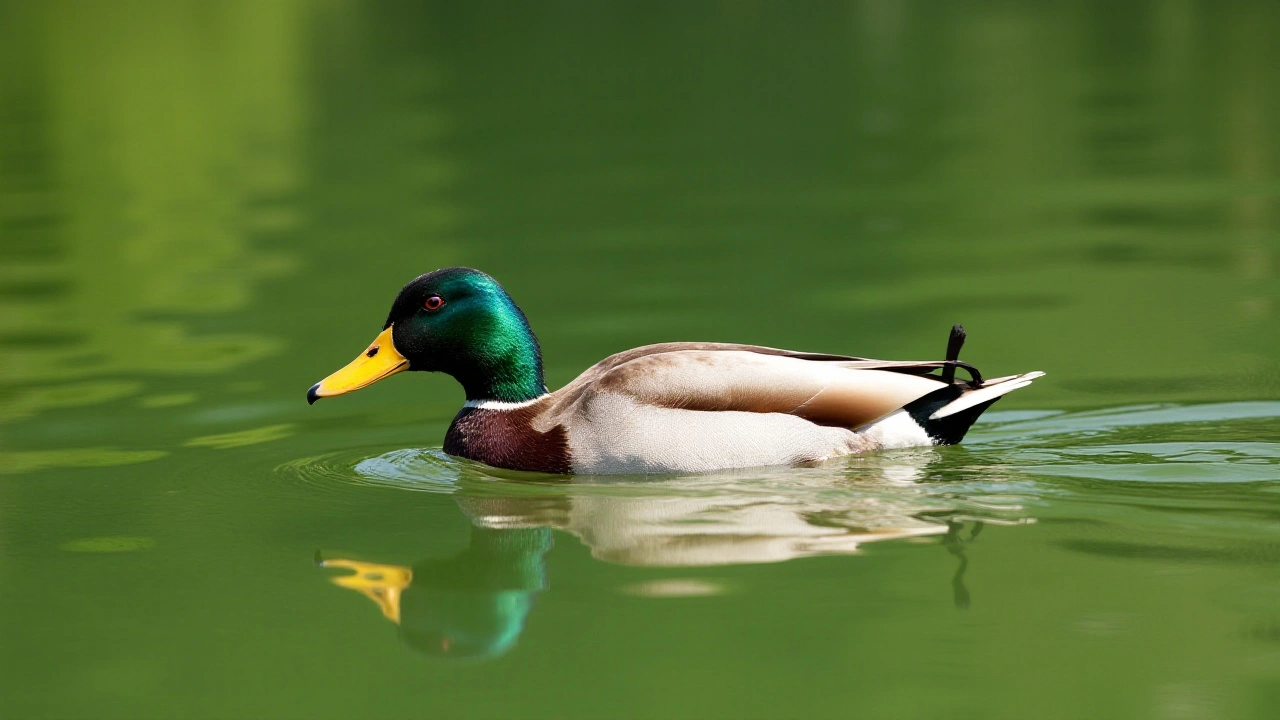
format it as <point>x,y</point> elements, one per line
<point>379,360</point>
<point>380,583</point>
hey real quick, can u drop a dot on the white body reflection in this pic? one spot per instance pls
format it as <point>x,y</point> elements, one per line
<point>698,526</point>
<point>728,518</point>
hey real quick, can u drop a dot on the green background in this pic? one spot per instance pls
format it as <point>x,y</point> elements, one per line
<point>205,207</point>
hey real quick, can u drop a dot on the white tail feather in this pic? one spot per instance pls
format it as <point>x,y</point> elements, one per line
<point>989,391</point>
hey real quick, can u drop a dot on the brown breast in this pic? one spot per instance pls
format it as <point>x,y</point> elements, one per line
<point>506,439</point>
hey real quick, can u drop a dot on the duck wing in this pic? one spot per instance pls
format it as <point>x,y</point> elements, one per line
<point>832,390</point>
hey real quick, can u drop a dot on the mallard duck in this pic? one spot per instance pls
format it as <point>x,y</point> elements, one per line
<point>666,408</point>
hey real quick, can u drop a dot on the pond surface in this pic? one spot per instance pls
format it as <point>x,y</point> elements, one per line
<point>207,207</point>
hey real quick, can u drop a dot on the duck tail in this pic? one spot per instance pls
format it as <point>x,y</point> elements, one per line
<point>947,413</point>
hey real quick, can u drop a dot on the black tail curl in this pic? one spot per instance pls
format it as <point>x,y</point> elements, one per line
<point>954,343</point>
<point>951,429</point>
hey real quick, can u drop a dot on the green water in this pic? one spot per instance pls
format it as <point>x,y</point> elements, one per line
<point>207,207</point>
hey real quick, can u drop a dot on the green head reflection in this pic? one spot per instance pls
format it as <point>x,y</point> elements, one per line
<point>469,606</point>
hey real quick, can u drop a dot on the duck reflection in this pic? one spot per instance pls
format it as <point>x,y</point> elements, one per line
<point>469,605</point>
<point>474,604</point>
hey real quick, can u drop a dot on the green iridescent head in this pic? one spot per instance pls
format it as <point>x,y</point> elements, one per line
<point>458,321</point>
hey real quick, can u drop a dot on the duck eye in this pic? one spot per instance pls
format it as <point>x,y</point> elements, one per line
<point>435,302</point>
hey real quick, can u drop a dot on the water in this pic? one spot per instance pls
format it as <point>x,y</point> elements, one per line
<point>205,208</point>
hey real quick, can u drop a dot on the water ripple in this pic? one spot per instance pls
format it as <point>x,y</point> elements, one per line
<point>1112,419</point>
<point>1121,444</point>
<point>1021,465</point>
<point>426,470</point>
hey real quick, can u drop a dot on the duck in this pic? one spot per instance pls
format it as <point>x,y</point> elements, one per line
<point>675,407</point>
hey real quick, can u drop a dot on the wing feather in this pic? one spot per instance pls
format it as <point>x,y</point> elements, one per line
<point>845,392</point>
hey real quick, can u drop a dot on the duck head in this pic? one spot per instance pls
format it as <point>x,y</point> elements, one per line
<point>458,321</point>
